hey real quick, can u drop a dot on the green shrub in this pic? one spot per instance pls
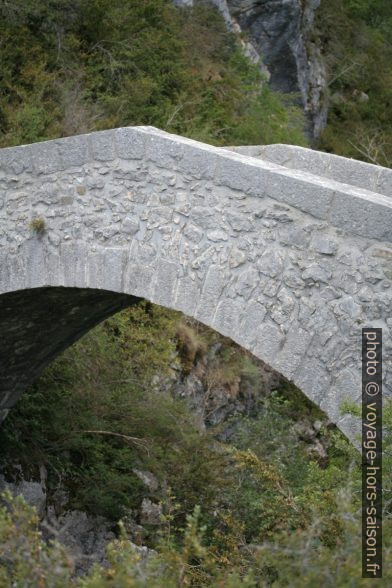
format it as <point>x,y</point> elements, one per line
<point>72,67</point>
<point>37,225</point>
<point>95,414</point>
<point>356,38</point>
<point>271,513</point>
<point>26,561</point>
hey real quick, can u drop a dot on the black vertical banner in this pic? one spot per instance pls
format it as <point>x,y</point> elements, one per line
<point>372,453</point>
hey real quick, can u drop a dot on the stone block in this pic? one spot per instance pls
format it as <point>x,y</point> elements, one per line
<point>167,274</point>
<point>53,269</point>
<point>347,387</point>
<point>214,284</point>
<point>106,268</point>
<point>313,197</point>
<point>73,151</point>
<point>199,162</point>
<point>384,182</point>
<point>253,316</point>
<point>293,351</point>
<point>140,278</point>
<point>240,174</point>
<point>227,317</point>
<point>130,143</point>
<point>163,150</point>
<point>16,272</point>
<point>33,252</point>
<point>130,225</point>
<point>340,169</point>
<point>323,244</point>
<point>73,256</point>
<point>16,160</point>
<point>46,157</point>
<point>268,342</point>
<point>368,215</point>
<point>102,145</point>
<point>313,379</point>
<point>187,295</point>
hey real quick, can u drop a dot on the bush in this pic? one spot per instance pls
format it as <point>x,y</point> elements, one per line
<point>71,67</point>
<point>271,514</point>
<point>356,37</point>
<point>26,561</point>
<point>95,414</point>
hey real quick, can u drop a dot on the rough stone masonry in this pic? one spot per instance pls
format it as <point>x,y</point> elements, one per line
<point>285,250</point>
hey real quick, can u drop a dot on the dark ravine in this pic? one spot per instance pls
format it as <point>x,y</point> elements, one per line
<point>281,32</point>
<point>280,38</point>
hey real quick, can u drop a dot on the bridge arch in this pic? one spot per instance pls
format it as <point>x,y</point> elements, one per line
<point>289,264</point>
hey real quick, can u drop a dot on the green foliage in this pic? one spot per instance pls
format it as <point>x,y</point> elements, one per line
<point>90,420</point>
<point>27,561</point>
<point>73,66</point>
<point>278,484</point>
<point>303,559</point>
<point>37,225</point>
<point>271,514</point>
<point>376,13</point>
<point>302,556</point>
<point>356,37</point>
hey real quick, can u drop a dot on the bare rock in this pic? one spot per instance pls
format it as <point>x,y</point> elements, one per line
<point>32,492</point>
<point>150,512</point>
<point>148,479</point>
<point>85,536</point>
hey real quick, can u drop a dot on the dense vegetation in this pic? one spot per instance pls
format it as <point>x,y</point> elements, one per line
<point>73,66</point>
<point>356,36</point>
<point>260,508</point>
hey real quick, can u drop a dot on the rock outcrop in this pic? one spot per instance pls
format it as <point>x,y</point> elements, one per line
<point>86,536</point>
<point>280,30</point>
<point>279,39</point>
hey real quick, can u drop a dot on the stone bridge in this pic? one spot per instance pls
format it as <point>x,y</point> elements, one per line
<point>285,250</point>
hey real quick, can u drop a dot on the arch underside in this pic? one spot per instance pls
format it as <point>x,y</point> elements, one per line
<point>39,324</point>
<point>287,264</point>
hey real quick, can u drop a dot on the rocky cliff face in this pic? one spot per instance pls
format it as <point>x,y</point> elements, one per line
<point>279,32</point>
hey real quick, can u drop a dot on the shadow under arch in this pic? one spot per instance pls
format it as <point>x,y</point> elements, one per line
<point>40,323</point>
